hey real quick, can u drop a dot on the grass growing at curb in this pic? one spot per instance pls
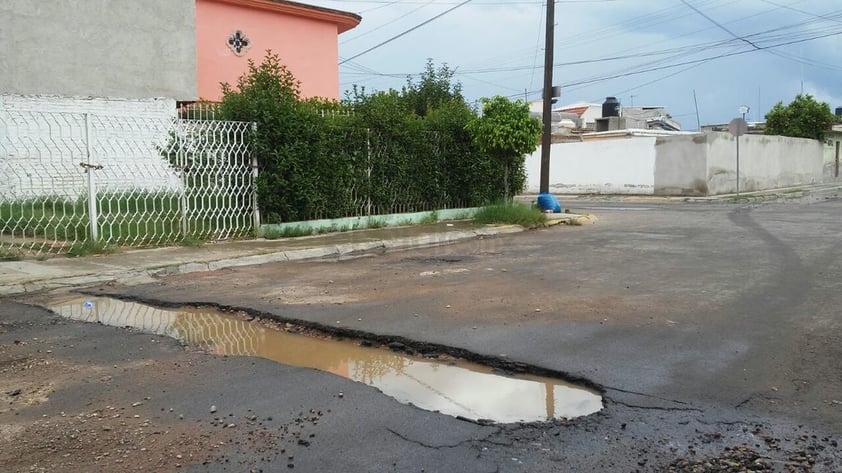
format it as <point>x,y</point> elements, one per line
<point>511,213</point>
<point>10,255</point>
<point>287,232</point>
<point>432,217</point>
<point>375,222</point>
<point>88,247</point>
<point>192,242</point>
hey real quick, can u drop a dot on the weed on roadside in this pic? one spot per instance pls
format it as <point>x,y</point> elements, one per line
<point>10,255</point>
<point>192,242</point>
<point>274,233</point>
<point>431,217</point>
<point>89,247</point>
<point>511,213</point>
<point>375,222</point>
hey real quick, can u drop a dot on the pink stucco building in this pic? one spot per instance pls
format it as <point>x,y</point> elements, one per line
<point>230,32</point>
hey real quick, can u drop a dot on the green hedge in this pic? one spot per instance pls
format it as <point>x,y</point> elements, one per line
<point>372,153</point>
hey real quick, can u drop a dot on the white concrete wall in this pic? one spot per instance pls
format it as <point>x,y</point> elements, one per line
<point>832,157</point>
<point>699,164</point>
<point>43,140</point>
<point>609,166</point>
<point>681,165</point>
<point>766,162</point>
<point>105,48</point>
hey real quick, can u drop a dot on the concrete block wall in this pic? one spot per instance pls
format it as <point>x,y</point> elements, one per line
<point>108,48</point>
<point>609,166</point>
<point>833,158</point>
<point>766,162</point>
<point>681,165</point>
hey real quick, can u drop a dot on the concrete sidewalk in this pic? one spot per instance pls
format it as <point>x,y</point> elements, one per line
<point>21,277</point>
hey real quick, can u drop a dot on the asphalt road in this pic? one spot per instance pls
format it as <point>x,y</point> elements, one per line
<point>713,329</point>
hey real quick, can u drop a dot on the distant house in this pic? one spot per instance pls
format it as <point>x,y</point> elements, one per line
<point>587,113</point>
<point>588,116</point>
<point>230,32</point>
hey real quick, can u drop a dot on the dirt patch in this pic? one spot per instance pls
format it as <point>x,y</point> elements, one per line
<point>83,397</point>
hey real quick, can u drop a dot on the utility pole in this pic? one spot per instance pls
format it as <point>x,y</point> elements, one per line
<point>546,139</point>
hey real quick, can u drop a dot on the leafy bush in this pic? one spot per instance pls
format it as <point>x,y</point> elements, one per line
<point>804,117</point>
<point>372,153</point>
<point>507,132</point>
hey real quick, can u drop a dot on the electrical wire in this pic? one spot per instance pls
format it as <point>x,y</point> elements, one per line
<point>404,33</point>
<point>385,24</point>
<point>664,59</point>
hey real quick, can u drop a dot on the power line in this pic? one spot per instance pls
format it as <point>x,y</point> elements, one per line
<point>669,66</point>
<point>385,24</point>
<point>755,46</point>
<point>762,48</point>
<point>406,32</point>
<point>719,25</point>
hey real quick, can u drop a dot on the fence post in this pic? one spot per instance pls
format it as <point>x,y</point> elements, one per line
<point>255,208</point>
<point>89,168</point>
<point>181,164</point>
<point>368,171</point>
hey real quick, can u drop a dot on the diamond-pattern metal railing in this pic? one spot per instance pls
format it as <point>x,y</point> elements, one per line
<point>72,179</point>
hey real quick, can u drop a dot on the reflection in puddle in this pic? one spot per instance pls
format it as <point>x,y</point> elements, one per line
<point>459,389</point>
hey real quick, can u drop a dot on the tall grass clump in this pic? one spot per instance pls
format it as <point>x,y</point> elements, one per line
<point>511,213</point>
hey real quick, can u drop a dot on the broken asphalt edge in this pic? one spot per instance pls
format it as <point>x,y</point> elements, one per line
<point>335,250</point>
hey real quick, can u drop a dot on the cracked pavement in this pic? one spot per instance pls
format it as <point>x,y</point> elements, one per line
<point>713,329</point>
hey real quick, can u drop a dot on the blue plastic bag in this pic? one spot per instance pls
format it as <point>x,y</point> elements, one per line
<point>548,202</point>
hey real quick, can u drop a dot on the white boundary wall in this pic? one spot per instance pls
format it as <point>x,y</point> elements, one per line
<point>699,164</point>
<point>607,166</point>
<point>766,162</point>
<point>43,140</point>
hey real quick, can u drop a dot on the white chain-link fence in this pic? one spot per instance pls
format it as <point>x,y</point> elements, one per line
<point>71,179</point>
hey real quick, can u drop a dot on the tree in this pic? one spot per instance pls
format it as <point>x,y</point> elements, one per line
<point>804,117</point>
<point>506,131</point>
<point>292,181</point>
<point>434,89</point>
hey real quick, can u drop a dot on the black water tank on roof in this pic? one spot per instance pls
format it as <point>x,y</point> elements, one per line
<point>611,107</point>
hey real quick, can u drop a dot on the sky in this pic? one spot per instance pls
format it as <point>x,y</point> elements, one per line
<point>726,53</point>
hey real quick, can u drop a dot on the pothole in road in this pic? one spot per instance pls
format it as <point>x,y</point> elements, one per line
<point>441,383</point>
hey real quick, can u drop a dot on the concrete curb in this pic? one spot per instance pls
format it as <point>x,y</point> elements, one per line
<point>148,274</point>
<point>786,193</point>
<point>570,219</point>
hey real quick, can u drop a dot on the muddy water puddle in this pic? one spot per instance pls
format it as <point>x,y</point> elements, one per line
<point>454,387</point>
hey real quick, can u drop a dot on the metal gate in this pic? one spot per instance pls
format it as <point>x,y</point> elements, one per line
<point>71,179</point>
